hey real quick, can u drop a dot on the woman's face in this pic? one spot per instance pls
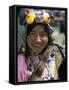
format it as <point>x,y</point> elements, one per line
<point>37,39</point>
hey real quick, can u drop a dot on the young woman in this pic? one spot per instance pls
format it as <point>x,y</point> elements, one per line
<point>42,58</point>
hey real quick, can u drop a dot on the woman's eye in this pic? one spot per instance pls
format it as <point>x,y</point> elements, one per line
<point>43,34</point>
<point>32,33</point>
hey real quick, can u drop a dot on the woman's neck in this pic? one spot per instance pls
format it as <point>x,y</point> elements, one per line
<point>34,53</point>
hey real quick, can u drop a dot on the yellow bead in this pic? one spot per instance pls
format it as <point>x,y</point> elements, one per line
<point>46,18</point>
<point>30,18</point>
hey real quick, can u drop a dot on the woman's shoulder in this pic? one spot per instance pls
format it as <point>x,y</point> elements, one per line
<point>57,48</point>
<point>21,56</point>
<point>59,53</point>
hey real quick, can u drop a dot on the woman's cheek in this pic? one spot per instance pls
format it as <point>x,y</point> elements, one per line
<point>29,40</point>
<point>45,40</point>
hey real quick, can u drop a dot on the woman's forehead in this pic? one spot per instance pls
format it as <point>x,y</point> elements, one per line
<point>38,29</point>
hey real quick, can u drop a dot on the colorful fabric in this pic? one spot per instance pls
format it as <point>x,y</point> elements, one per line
<point>50,67</point>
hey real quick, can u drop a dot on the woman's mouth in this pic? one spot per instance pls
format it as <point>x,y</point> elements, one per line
<point>36,45</point>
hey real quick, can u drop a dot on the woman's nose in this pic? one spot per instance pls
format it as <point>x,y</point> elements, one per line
<point>38,39</point>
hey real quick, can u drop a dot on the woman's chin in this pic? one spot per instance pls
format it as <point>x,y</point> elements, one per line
<point>36,50</point>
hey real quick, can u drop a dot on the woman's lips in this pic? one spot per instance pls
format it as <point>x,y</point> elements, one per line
<point>36,45</point>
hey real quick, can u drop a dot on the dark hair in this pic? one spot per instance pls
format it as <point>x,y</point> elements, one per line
<point>31,26</point>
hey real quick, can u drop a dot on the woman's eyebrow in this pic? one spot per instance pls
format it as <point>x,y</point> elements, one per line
<point>33,31</point>
<point>38,31</point>
<point>43,32</point>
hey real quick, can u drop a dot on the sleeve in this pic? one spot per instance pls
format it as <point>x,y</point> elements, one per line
<point>21,69</point>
